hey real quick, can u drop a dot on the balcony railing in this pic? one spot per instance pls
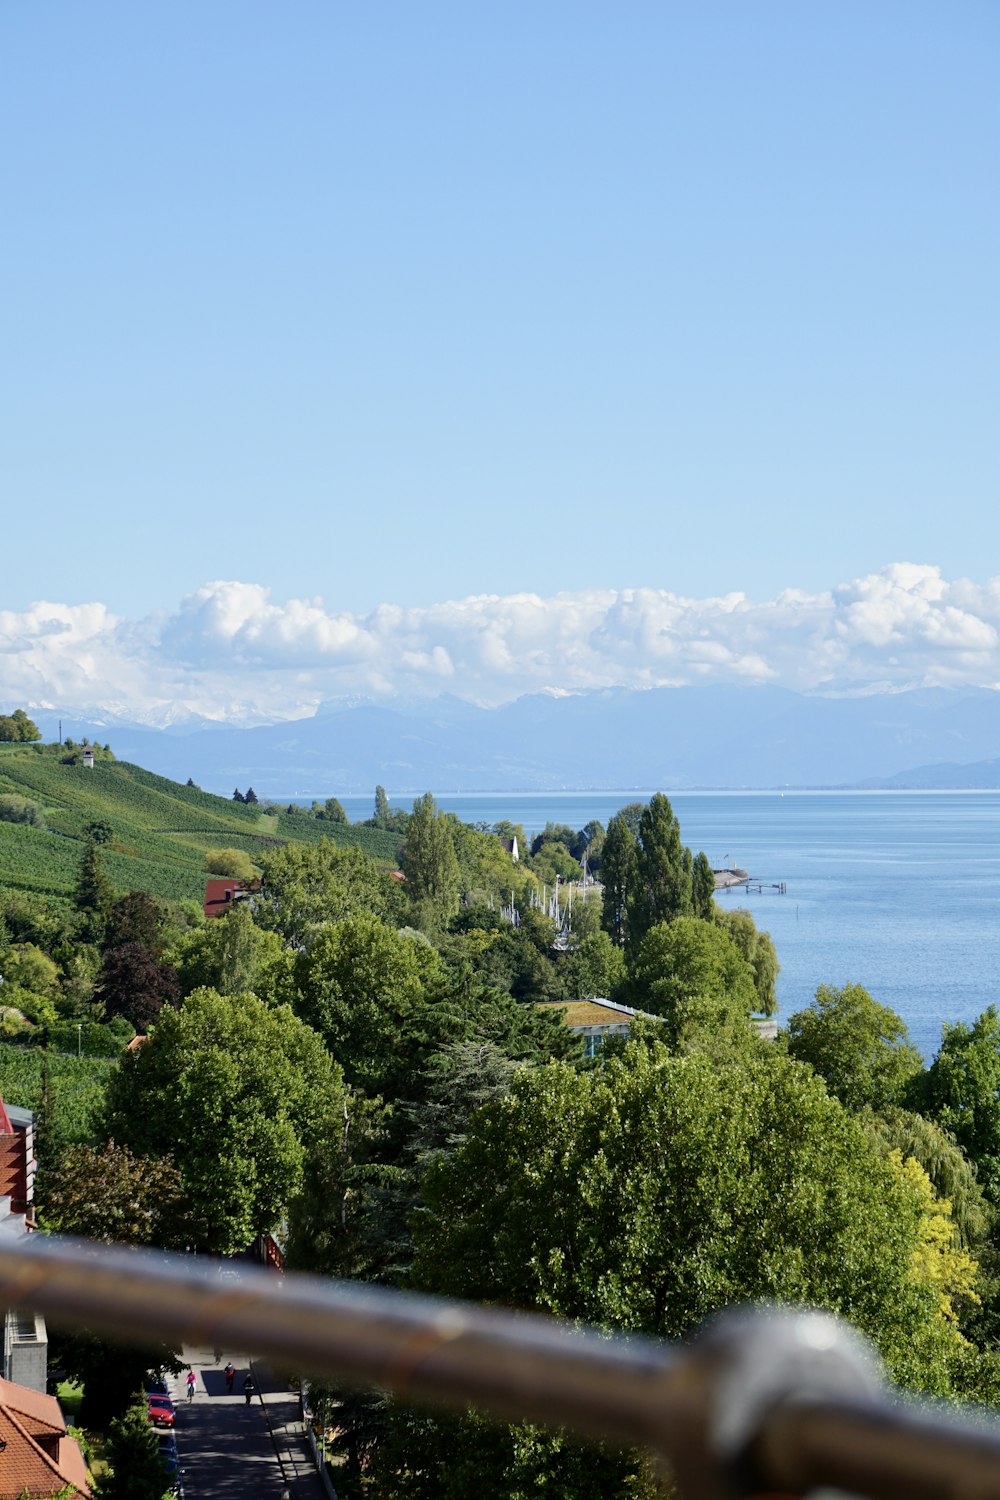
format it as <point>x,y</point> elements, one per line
<point>762,1402</point>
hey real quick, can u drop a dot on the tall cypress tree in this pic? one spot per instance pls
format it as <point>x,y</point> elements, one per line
<point>618,876</point>
<point>94,895</point>
<point>663,874</point>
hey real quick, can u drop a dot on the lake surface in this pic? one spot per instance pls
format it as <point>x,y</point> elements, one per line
<point>898,891</point>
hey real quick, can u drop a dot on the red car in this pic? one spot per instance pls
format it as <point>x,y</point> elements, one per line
<point>162,1412</point>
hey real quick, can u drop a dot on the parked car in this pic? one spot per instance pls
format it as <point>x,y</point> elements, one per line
<point>162,1412</point>
<point>157,1386</point>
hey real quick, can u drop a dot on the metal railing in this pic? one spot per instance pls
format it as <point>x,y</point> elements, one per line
<point>765,1401</point>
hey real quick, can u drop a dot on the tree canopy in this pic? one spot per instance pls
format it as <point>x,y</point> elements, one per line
<point>860,1048</point>
<point>238,1093</point>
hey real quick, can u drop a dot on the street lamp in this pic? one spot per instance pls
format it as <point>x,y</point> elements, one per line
<point>79,1038</point>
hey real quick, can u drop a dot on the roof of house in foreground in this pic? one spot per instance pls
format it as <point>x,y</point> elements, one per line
<point>38,1459</point>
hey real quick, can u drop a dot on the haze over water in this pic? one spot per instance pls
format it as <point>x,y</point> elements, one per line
<point>898,891</point>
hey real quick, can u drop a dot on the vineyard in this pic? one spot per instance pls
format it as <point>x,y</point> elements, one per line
<point>76,1085</point>
<point>159,829</point>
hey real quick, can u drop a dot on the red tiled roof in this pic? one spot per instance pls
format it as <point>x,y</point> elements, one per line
<point>27,1467</point>
<point>221,894</point>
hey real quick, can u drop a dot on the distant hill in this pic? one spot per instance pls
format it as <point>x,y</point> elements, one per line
<point>981,775</point>
<point>160,829</point>
<point>674,738</point>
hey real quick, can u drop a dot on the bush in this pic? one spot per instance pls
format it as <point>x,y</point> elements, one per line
<point>15,809</point>
<point>233,863</point>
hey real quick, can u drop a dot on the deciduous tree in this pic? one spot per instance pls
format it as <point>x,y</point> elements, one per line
<point>239,1093</point>
<point>861,1049</point>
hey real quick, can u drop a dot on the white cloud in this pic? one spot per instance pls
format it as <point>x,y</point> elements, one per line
<point>231,652</point>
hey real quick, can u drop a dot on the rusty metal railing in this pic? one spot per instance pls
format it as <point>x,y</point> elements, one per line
<point>762,1401</point>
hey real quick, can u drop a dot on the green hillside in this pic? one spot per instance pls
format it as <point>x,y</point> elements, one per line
<point>160,830</point>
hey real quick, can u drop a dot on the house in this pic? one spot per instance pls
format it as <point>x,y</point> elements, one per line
<point>25,1339</point>
<point>511,847</point>
<point>37,1457</point>
<point>594,1020</point>
<point>88,758</point>
<point>220,894</point>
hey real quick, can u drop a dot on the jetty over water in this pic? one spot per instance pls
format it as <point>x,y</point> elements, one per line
<point>733,878</point>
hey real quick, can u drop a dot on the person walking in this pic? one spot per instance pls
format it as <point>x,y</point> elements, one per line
<point>192,1382</point>
<point>230,1373</point>
<point>248,1387</point>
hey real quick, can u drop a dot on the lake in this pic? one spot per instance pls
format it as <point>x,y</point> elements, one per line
<point>898,891</point>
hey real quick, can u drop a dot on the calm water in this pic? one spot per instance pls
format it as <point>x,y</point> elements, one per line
<point>899,892</point>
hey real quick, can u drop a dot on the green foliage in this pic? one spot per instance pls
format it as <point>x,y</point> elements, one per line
<point>234,863</point>
<point>109,1194</point>
<point>595,968</point>
<point>94,895</point>
<point>382,810</point>
<point>951,1173</point>
<point>333,811</point>
<point>756,948</point>
<point>233,955</point>
<point>429,862</point>
<point>649,1193</point>
<point>691,973</point>
<point>357,984</point>
<point>238,1093</point>
<point>961,1090</point>
<point>15,809</point>
<point>76,1086</point>
<point>619,872</point>
<point>307,885</point>
<point>648,875</point>
<point>18,728</point>
<point>861,1049</point>
<point>135,1470</point>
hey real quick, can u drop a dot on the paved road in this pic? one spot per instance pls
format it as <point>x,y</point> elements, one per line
<point>232,1451</point>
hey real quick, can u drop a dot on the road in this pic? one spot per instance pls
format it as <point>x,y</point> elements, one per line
<point>233,1451</point>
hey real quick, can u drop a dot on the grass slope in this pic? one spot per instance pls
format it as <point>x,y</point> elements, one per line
<point>161,829</point>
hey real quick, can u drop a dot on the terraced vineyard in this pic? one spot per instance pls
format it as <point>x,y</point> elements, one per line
<point>160,830</point>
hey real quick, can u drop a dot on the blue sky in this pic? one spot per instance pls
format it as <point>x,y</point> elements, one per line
<point>406,303</point>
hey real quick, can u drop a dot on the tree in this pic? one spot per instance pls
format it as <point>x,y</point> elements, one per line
<point>645,1196</point>
<point>861,1049</point>
<point>333,811</point>
<point>17,727</point>
<point>250,797</point>
<point>132,984</point>
<point>240,1094</point>
<point>382,809</point>
<point>756,948</point>
<point>236,864</point>
<point>961,1090</point>
<point>357,985</point>
<point>306,885</point>
<point>15,809</point>
<point>691,973</point>
<point>595,968</point>
<point>702,888</point>
<point>662,888</point>
<point>618,874</point>
<point>98,831</point>
<point>650,1193</point>
<point>135,1469</point>
<point>109,1194</point>
<point>238,796</point>
<point>429,861</point>
<point>136,918</point>
<point>233,955</point>
<point>94,894</point>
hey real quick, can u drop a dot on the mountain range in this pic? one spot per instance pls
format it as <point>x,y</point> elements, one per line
<point>675,738</point>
